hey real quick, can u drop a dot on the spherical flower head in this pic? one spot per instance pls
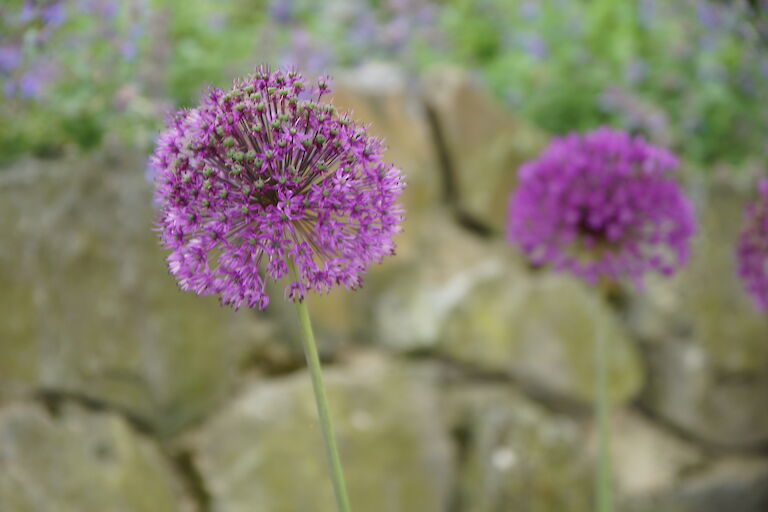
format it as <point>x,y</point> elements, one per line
<point>602,205</point>
<point>752,248</point>
<point>267,176</point>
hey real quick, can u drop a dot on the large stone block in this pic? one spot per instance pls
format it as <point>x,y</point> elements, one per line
<point>483,142</point>
<point>707,347</point>
<point>383,97</point>
<point>264,451</point>
<point>80,461</point>
<point>735,484</point>
<point>472,299</point>
<point>420,295</point>
<point>518,455</point>
<point>647,460</point>
<point>542,329</point>
<point>88,305</point>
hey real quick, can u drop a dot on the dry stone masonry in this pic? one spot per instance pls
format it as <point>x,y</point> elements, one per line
<point>459,377</point>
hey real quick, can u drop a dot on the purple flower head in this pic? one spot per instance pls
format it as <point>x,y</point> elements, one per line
<point>602,204</point>
<point>27,13</point>
<point>534,45</point>
<point>33,82</point>
<point>708,14</point>
<point>53,15</point>
<point>752,249</point>
<point>10,57</point>
<point>256,179</point>
<point>282,11</point>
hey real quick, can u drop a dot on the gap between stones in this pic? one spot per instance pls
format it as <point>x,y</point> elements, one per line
<point>180,460</point>
<point>182,463</point>
<point>448,172</point>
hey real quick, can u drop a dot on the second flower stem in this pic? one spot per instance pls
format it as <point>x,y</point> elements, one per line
<point>329,438</point>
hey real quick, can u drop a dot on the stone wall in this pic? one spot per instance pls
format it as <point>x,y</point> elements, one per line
<point>460,379</point>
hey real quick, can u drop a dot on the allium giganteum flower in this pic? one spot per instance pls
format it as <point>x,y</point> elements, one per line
<point>602,204</point>
<point>266,174</point>
<point>752,248</point>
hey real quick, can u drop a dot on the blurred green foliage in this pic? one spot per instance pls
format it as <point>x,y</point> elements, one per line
<point>693,71</point>
<point>692,74</point>
<point>207,42</point>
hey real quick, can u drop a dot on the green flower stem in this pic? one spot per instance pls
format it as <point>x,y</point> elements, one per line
<point>331,451</point>
<point>603,483</point>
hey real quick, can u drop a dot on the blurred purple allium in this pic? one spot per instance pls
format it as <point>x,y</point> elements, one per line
<point>602,204</point>
<point>752,248</point>
<point>256,177</point>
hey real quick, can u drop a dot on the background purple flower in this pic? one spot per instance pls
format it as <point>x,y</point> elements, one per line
<point>752,249</point>
<point>256,178</point>
<point>34,24</point>
<point>602,204</point>
<point>34,80</point>
<point>306,53</point>
<point>27,12</point>
<point>534,45</point>
<point>10,57</point>
<point>53,15</point>
<point>282,11</point>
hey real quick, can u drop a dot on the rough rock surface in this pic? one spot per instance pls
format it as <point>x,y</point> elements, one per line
<point>734,484</point>
<point>264,451</point>
<point>482,142</point>
<point>519,456</point>
<point>658,458</point>
<point>414,304</point>
<point>471,300</point>
<point>707,347</point>
<point>541,329</point>
<point>81,461</point>
<point>463,400</point>
<point>91,308</point>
